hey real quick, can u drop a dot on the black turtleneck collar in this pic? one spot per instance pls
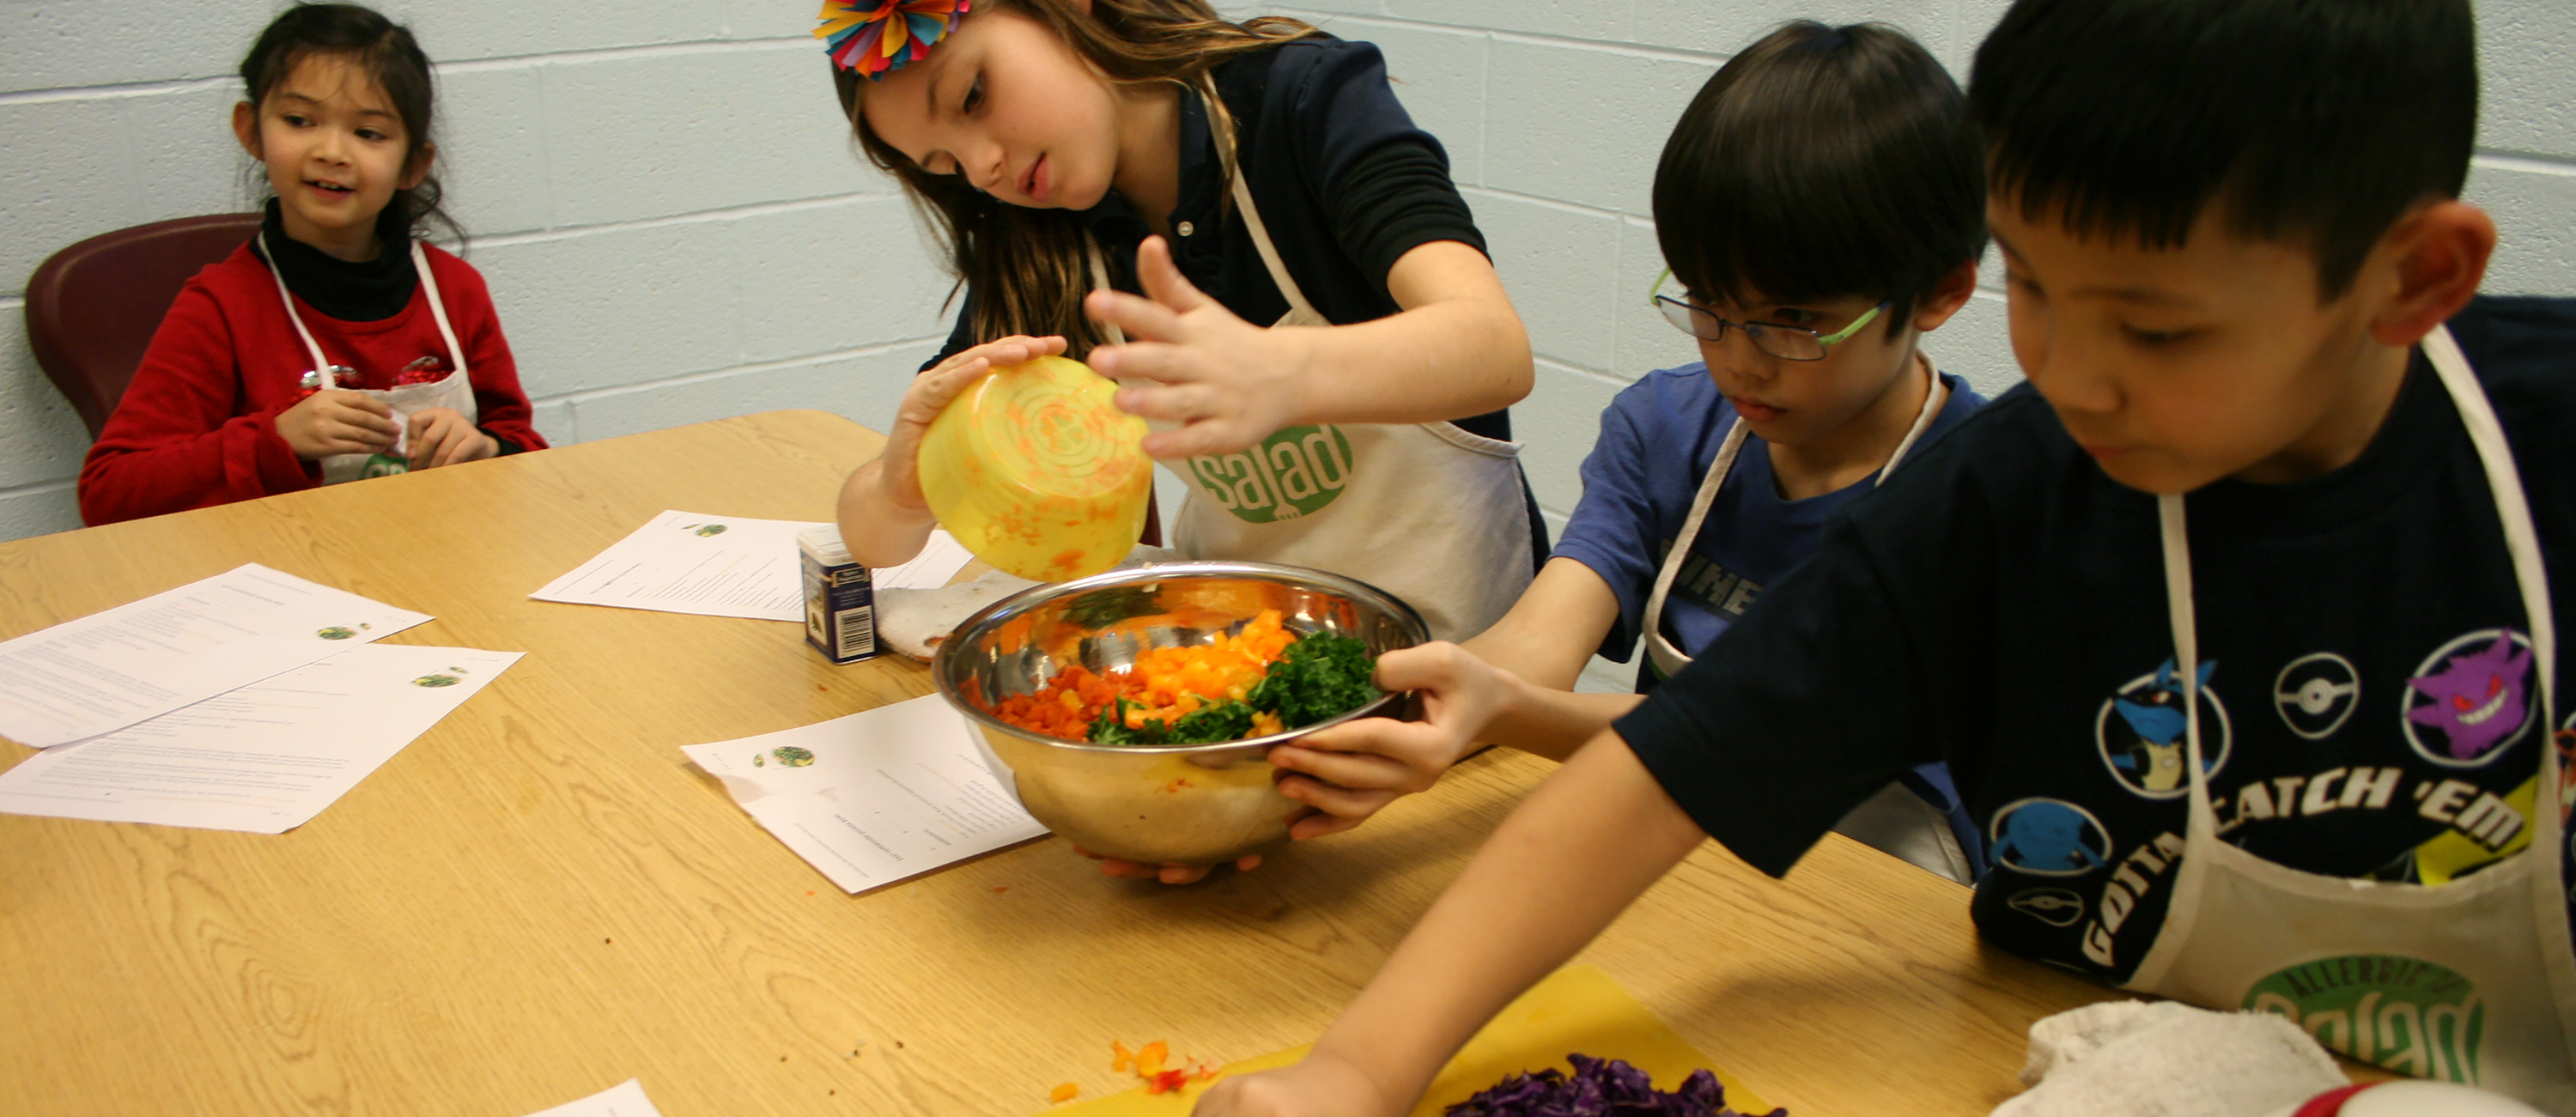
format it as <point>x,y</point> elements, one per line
<point>363,291</point>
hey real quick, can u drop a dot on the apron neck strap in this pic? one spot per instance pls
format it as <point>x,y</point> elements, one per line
<point>1221,126</point>
<point>2522,542</point>
<point>322,366</point>
<point>1669,658</point>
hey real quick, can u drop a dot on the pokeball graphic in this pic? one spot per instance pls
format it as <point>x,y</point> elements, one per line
<point>2057,907</point>
<point>2316,693</point>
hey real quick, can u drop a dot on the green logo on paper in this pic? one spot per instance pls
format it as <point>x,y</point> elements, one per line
<point>704,529</point>
<point>340,632</point>
<point>792,756</point>
<point>2410,1016</point>
<point>1293,473</point>
<point>436,680</point>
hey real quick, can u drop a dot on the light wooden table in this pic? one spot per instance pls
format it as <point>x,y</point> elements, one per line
<point>540,898</point>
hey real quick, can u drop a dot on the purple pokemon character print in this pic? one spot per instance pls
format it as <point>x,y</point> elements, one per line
<point>2477,698</point>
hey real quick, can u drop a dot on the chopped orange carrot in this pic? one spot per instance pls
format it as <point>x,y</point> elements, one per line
<point>1064,1093</point>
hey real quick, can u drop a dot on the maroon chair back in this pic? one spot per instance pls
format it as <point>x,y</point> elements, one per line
<point>92,307</point>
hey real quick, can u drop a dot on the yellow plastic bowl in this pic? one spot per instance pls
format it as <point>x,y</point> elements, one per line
<point>1037,474</point>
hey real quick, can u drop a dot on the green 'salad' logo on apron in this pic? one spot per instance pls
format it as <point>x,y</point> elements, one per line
<point>1293,473</point>
<point>2410,1016</point>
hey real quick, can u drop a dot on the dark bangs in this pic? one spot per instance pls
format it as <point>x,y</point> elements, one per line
<point>2315,122</point>
<point>1822,162</point>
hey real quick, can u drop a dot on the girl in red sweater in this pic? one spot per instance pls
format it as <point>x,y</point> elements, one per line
<point>334,345</point>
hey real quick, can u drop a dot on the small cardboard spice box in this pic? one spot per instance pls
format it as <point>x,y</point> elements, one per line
<point>840,604</point>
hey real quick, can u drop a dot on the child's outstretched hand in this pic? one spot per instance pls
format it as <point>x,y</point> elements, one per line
<point>1352,770</point>
<point>1228,382</point>
<point>898,474</point>
<point>337,422</point>
<point>1317,1086</point>
<point>441,436</point>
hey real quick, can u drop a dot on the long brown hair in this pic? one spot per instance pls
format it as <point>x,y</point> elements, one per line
<point>1027,268</point>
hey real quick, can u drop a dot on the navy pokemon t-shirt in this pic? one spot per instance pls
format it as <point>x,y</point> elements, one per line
<point>2369,705</point>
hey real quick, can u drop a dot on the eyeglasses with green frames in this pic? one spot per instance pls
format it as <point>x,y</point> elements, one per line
<point>1789,343</point>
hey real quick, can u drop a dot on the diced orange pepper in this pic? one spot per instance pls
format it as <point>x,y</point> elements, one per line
<point>1124,1059</point>
<point>1167,1081</point>
<point>1150,1058</point>
<point>1064,1093</point>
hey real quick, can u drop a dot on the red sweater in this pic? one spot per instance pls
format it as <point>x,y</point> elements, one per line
<point>198,427</point>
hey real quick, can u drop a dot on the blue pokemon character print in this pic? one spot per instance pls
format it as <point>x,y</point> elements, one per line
<point>2141,728</point>
<point>2049,837</point>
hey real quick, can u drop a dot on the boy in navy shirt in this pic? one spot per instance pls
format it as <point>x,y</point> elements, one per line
<point>2283,745</point>
<point>1822,204</point>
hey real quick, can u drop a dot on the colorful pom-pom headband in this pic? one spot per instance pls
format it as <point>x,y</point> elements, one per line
<point>876,37</point>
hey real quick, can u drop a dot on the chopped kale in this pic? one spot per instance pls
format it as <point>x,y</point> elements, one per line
<point>1210,724</point>
<point>1321,676</point>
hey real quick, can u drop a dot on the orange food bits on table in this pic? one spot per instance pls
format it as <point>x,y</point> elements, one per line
<point>1064,1093</point>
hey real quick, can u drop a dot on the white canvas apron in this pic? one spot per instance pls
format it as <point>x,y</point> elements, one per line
<point>453,391</point>
<point>1426,511</point>
<point>1895,821</point>
<point>2498,1009</point>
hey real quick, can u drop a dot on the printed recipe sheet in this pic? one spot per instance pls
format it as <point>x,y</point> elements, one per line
<point>723,566</point>
<point>112,669</point>
<point>264,758</point>
<point>874,797</point>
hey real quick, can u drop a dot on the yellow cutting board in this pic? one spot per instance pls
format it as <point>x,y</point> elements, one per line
<point>1577,1009</point>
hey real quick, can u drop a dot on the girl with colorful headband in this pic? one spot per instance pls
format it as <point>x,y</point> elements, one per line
<point>1071,153</point>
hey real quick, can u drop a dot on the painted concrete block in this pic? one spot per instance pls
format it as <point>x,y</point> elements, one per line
<point>594,310</point>
<point>186,159</point>
<point>2528,89</point>
<point>841,275</point>
<point>2534,206</point>
<point>636,137</point>
<point>39,511</point>
<point>554,419</point>
<point>41,438</point>
<point>1561,266</point>
<point>1557,426</point>
<point>1976,344</point>
<point>864,388</point>
<point>1581,124</point>
<point>70,44</point>
<point>1725,28</point>
<point>69,175</point>
<point>1439,75</point>
<point>1571,19</point>
<point>1646,341</point>
<point>492,149</point>
<point>451,31</point>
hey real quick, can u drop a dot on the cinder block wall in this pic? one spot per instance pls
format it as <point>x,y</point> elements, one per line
<point>663,197</point>
<point>676,230</point>
<point>1554,113</point>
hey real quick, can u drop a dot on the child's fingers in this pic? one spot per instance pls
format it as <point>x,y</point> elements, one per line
<point>1174,403</point>
<point>1357,771</point>
<point>372,416</point>
<point>1339,801</point>
<point>1162,280</point>
<point>1423,667</point>
<point>363,402</point>
<point>1141,319</point>
<point>1316,824</point>
<point>1204,436</point>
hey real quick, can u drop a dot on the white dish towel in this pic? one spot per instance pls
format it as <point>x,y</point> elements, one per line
<point>2162,1059</point>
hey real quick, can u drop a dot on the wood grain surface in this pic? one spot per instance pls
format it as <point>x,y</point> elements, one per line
<point>540,898</point>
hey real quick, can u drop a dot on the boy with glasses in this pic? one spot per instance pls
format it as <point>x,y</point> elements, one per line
<point>1822,202</point>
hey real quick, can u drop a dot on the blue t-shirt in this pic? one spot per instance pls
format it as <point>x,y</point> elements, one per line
<point>1658,439</point>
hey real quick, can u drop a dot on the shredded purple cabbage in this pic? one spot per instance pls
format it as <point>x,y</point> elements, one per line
<point>1599,1088</point>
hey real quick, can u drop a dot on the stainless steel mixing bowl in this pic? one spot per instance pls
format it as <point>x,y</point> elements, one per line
<point>1192,804</point>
